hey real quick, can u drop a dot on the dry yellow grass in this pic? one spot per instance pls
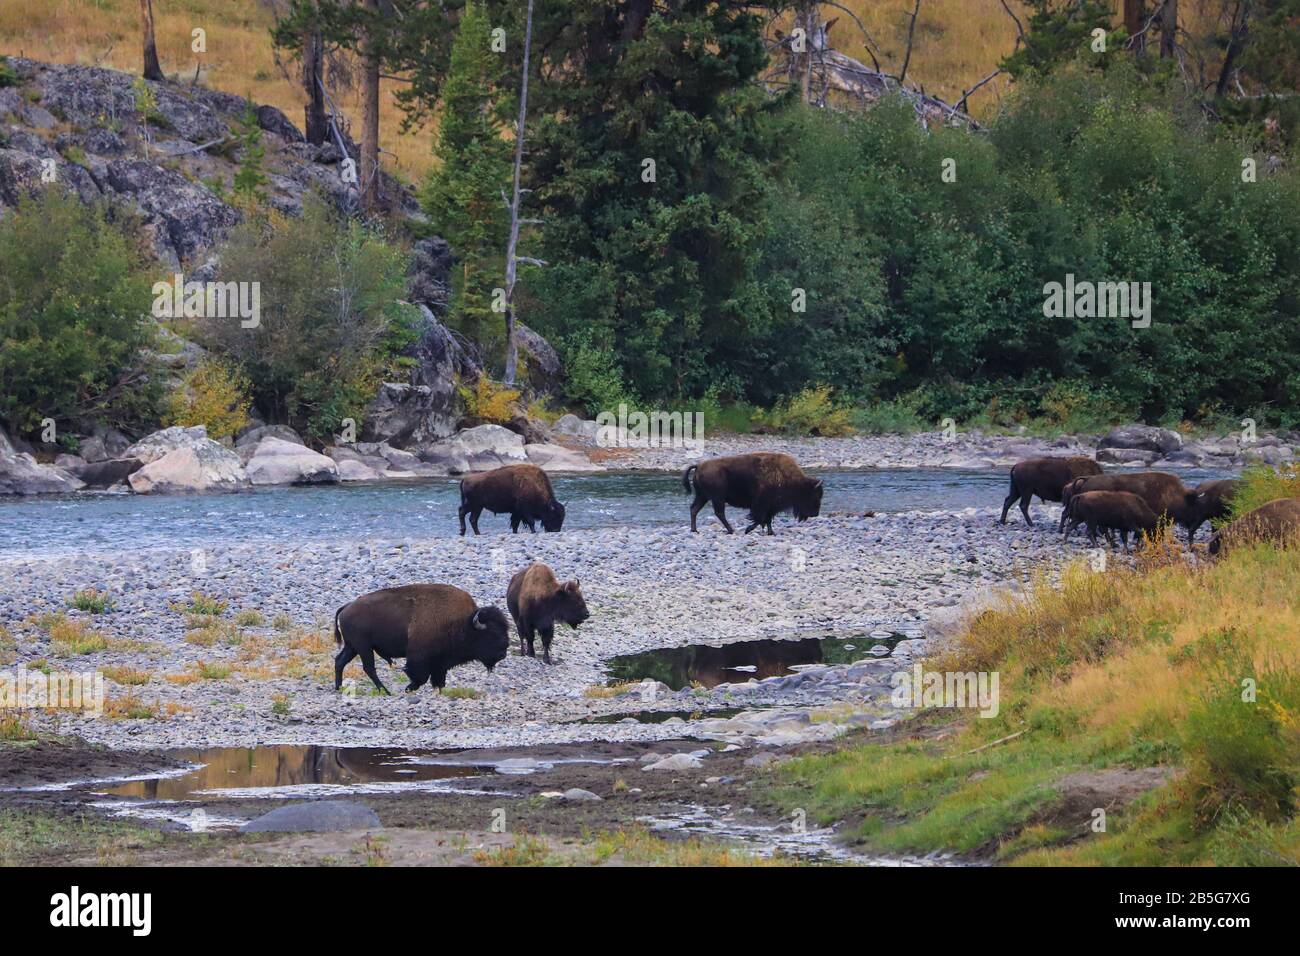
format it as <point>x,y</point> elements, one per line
<point>239,57</point>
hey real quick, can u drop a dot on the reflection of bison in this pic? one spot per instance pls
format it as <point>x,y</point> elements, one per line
<point>1120,511</point>
<point>521,491</point>
<point>1044,477</point>
<point>766,483</point>
<point>1213,501</point>
<point>538,602</point>
<point>1163,493</point>
<point>1277,522</point>
<point>434,626</point>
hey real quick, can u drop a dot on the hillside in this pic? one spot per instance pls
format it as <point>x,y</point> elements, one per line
<point>957,43</point>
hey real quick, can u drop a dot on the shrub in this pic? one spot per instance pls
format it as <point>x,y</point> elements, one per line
<point>1262,484</point>
<point>91,601</point>
<point>8,75</point>
<point>215,395</point>
<point>489,401</point>
<point>74,315</point>
<point>811,412</point>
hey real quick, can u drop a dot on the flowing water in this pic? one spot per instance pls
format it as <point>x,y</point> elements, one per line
<point>102,522</point>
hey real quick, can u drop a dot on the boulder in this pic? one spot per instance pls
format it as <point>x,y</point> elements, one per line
<point>675,763</point>
<point>1126,456</point>
<point>105,474</point>
<point>251,436</point>
<point>487,447</point>
<point>179,460</point>
<point>540,368</point>
<point>428,278</point>
<point>21,474</point>
<point>323,816</point>
<point>351,469</point>
<point>279,462</point>
<point>559,458</point>
<point>1164,441</point>
<point>576,427</point>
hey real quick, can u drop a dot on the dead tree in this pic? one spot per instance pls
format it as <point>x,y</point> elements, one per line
<point>369,166</point>
<point>152,68</point>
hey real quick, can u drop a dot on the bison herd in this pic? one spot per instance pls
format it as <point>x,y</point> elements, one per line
<point>436,627</point>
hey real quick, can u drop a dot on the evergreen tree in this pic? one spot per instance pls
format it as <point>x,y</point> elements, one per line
<point>463,197</point>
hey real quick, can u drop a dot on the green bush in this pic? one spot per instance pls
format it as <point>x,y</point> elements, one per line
<point>74,316</point>
<point>332,321</point>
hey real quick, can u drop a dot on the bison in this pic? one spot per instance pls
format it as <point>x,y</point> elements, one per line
<point>522,491</point>
<point>1164,493</point>
<point>1044,477</point>
<point>434,626</point>
<point>1122,511</point>
<point>538,602</point>
<point>1213,501</point>
<point>766,483</point>
<point>1277,522</point>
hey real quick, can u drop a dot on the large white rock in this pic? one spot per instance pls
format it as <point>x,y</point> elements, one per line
<point>485,447</point>
<point>558,458</point>
<point>160,443</point>
<point>199,467</point>
<point>21,474</point>
<point>351,469</point>
<point>280,462</point>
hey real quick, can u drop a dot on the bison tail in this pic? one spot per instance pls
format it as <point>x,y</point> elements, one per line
<point>338,634</point>
<point>686,477</point>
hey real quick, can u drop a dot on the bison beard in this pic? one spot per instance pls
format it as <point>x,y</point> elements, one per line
<point>434,626</point>
<point>766,483</point>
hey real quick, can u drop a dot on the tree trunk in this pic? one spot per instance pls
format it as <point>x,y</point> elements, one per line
<point>1134,14</point>
<point>313,56</point>
<point>369,171</point>
<point>1168,28</point>
<point>512,247</point>
<point>152,68</point>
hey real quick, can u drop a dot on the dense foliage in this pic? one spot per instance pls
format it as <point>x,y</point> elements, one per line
<point>74,317</point>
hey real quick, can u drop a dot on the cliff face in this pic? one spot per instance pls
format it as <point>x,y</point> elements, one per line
<point>167,149</point>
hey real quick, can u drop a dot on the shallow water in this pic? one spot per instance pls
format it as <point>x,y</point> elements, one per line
<point>100,522</point>
<point>709,665</point>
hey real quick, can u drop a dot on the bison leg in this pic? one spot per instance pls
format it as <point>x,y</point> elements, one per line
<point>464,510</point>
<point>696,505</point>
<point>1123,537</point>
<point>1027,497</point>
<point>341,660</point>
<point>720,509</point>
<point>1092,533</point>
<point>525,634</point>
<point>548,633</point>
<point>368,665</point>
<point>473,518</point>
<point>514,524</point>
<point>1006,502</point>
<point>417,675</point>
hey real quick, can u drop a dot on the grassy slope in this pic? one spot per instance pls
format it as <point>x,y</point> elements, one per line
<point>1134,668</point>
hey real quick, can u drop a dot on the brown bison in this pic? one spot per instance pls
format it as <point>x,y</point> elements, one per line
<point>1164,493</point>
<point>521,491</point>
<point>1277,522</point>
<point>1213,501</point>
<point>1121,511</point>
<point>434,626</point>
<point>1044,477</point>
<point>766,483</point>
<point>538,602</point>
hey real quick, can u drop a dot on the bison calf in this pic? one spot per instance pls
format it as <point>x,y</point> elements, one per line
<point>1164,494</point>
<point>1121,511</point>
<point>766,483</point>
<point>1277,522</point>
<point>1045,477</point>
<point>538,602</point>
<point>434,626</point>
<point>522,491</point>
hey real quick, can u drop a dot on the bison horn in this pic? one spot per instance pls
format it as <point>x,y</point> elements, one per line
<point>479,625</point>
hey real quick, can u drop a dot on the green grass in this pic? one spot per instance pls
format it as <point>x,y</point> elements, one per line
<point>91,601</point>
<point>461,693</point>
<point>204,604</point>
<point>1192,669</point>
<point>37,838</point>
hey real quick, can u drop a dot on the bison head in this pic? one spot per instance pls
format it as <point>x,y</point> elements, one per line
<point>488,635</point>
<point>569,605</point>
<point>810,503</point>
<point>553,517</point>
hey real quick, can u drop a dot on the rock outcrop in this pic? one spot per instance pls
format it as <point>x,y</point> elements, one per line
<point>280,462</point>
<point>183,460</point>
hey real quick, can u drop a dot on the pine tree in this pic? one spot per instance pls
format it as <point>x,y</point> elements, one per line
<point>463,197</point>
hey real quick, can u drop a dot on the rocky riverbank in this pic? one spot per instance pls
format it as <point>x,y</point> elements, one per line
<point>260,669</point>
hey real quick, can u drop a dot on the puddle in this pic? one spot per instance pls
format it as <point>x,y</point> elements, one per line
<point>660,716</point>
<point>289,770</point>
<point>764,839</point>
<point>709,665</point>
